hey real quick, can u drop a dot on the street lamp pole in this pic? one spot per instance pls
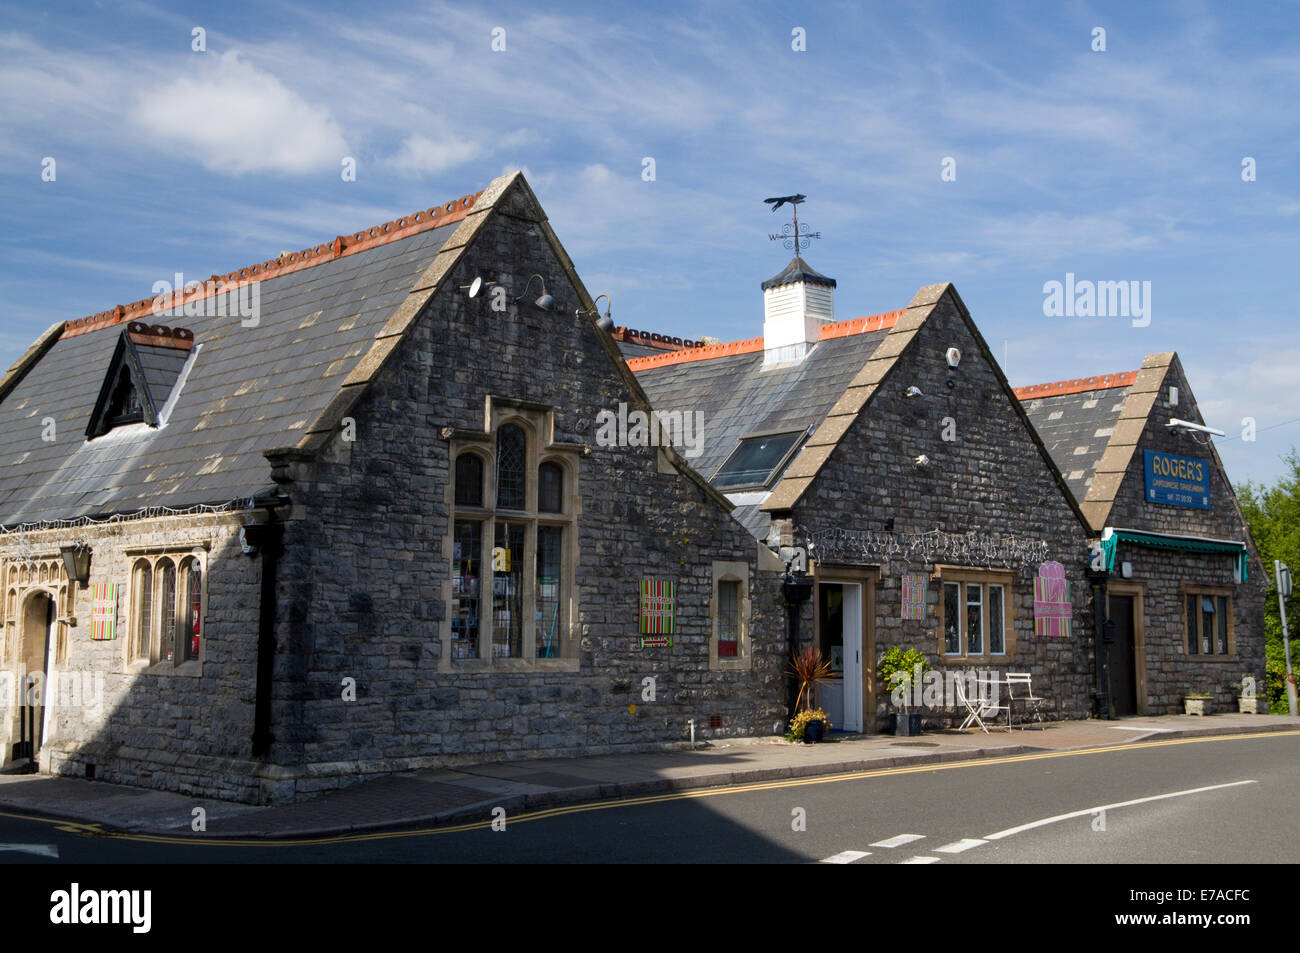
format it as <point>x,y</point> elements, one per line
<point>1282,576</point>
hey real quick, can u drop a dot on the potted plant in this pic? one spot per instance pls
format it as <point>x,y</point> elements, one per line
<point>896,673</point>
<point>810,726</point>
<point>1197,703</point>
<point>809,669</point>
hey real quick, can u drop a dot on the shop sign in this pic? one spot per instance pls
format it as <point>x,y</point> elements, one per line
<point>658,606</point>
<point>1176,481</point>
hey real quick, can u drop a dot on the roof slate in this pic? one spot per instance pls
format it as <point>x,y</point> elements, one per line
<point>249,389</point>
<point>1076,429</point>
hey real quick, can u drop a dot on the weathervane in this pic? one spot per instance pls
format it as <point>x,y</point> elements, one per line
<point>790,236</point>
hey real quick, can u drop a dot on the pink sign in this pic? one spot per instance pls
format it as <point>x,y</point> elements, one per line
<point>1052,607</point>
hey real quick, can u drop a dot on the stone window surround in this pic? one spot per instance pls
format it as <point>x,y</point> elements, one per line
<point>156,663</point>
<point>18,589</point>
<point>984,577</point>
<point>731,571</point>
<point>538,423</point>
<point>1186,589</point>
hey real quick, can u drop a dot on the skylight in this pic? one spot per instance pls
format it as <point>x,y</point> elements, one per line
<point>756,459</point>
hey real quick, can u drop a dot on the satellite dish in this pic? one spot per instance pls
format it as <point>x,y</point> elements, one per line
<point>475,286</point>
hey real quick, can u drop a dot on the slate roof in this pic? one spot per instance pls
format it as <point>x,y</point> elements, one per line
<point>248,389</point>
<point>1076,429</point>
<point>739,397</point>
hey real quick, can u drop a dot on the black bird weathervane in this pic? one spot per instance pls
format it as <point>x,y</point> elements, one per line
<point>790,236</point>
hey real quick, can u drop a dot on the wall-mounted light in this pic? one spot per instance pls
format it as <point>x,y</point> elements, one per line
<point>1126,570</point>
<point>477,285</point>
<point>1177,425</point>
<point>605,321</point>
<point>954,357</point>
<point>914,391</point>
<point>545,301</point>
<point>1173,396</point>
<point>923,461</point>
<point>76,561</point>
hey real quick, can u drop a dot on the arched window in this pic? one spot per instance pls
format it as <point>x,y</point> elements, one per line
<point>166,573</point>
<point>512,459</point>
<point>469,480</point>
<point>143,624</point>
<point>513,548</point>
<point>191,609</point>
<point>550,488</point>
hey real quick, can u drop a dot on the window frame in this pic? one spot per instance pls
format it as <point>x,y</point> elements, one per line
<point>800,438</point>
<point>153,659</point>
<point>536,422</point>
<point>1215,593</point>
<point>730,571</point>
<point>964,578</point>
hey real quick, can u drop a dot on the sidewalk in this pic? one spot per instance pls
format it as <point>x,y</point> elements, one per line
<point>442,795</point>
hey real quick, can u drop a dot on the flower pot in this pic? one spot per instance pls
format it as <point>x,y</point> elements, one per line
<point>1248,705</point>
<point>814,731</point>
<point>1196,706</point>
<point>904,724</point>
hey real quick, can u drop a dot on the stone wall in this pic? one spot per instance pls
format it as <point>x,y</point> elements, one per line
<point>992,479</point>
<point>364,584</point>
<point>186,728</point>
<point>1171,672</point>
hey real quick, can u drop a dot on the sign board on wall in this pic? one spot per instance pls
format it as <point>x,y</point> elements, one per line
<point>1053,609</point>
<point>658,606</point>
<point>1176,481</point>
<point>103,611</point>
<point>914,595</point>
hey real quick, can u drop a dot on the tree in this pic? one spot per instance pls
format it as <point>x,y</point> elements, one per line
<point>1274,517</point>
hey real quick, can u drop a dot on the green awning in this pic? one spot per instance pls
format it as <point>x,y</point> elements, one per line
<point>1187,544</point>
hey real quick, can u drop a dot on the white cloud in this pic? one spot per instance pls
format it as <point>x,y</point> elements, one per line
<point>421,155</point>
<point>236,118</point>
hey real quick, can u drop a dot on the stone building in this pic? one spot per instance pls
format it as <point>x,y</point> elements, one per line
<point>1186,587</point>
<point>347,512</point>
<point>943,511</point>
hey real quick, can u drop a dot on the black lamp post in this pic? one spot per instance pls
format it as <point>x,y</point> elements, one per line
<point>76,561</point>
<point>797,589</point>
<point>1103,636</point>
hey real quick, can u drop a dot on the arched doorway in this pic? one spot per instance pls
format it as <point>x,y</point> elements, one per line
<point>38,620</point>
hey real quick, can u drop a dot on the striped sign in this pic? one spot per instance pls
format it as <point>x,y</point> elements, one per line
<point>658,606</point>
<point>103,611</point>
<point>1052,607</point>
<point>914,595</point>
<point>656,641</point>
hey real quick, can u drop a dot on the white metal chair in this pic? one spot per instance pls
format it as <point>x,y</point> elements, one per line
<point>972,708</point>
<point>1030,703</point>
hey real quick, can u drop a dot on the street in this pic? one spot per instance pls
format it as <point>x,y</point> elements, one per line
<point>1218,800</point>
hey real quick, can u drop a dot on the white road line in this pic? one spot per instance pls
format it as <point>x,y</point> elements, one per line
<point>957,846</point>
<point>845,857</point>
<point>898,840</point>
<point>40,850</point>
<point>1110,807</point>
<point>1139,728</point>
<point>919,859</point>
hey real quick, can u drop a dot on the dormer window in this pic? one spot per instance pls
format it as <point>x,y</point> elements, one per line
<point>146,366</point>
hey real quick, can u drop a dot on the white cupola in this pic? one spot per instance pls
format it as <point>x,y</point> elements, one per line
<point>796,303</point>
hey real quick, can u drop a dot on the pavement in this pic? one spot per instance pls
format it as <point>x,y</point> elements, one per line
<point>445,795</point>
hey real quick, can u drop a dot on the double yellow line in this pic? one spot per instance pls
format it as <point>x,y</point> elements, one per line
<point>96,830</point>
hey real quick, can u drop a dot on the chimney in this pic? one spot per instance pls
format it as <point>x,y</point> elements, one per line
<point>796,303</point>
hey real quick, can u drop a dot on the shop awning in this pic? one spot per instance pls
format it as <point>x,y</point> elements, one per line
<point>1112,537</point>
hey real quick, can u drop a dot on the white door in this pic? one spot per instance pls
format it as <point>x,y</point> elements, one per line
<point>852,657</point>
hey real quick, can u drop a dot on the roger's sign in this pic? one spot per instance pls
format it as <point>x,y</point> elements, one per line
<point>1176,481</point>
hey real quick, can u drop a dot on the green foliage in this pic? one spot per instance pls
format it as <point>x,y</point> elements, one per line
<point>809,669</point>
<point>1274,517</point>
<point>897,667</point>
<point>801,722</point>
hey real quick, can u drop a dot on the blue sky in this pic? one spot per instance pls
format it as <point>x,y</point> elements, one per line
<point>1115,165</point>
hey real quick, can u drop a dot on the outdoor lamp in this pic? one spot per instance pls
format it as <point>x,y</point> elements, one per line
<point>475,286</point>
<point>545,301</point>
<point>954,357</point>
<point>76,561</point>
<point>606,321</point>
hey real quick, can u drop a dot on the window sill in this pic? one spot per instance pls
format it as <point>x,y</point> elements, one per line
<point>1211,658</point>
<point>191,669</point>
<point>520,665</point>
